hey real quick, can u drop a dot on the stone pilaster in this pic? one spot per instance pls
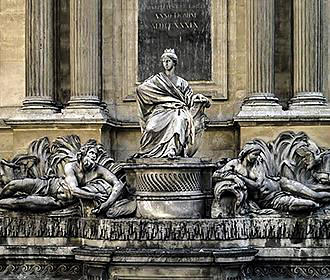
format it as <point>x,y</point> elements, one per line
<point>85,53</point>
<point>307,54</point>
<point>260,23</point>
<point>40,55</point>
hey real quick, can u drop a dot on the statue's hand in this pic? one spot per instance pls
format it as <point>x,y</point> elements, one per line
<point>322,177</point>
<point>101,208</point>
<point>100,198</point>
<point>200,98</point>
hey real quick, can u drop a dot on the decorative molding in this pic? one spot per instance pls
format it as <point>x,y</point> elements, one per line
<point>168,182</point>
<point>289,271</point>
<point>167,229</point>
<point>41,270</point>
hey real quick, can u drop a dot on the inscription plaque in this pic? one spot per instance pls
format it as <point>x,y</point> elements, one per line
<point>184,25</point>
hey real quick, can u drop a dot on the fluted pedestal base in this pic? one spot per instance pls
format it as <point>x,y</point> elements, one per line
<point>308,99</point>
<point>264,105</point>
<point>167,188</point>
<point>261,99</point>
<point>40,105</point>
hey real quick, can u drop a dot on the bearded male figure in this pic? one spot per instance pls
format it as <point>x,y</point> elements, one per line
<point>87,179</point>
<point>171,116</point>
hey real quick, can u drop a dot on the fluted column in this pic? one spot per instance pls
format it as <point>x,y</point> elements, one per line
<point>85,53</point>
<point>307,55</point>
<point>260,23</point>
<point>40,55</point>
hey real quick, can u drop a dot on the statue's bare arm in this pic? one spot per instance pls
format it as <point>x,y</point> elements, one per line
<point>228,169</point>
<point>252,185</point>
<point>71,180</point>
<point>117,188</point>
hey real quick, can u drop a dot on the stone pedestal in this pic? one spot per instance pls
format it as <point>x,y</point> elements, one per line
<point>167,188</point>
<point>187,264</point>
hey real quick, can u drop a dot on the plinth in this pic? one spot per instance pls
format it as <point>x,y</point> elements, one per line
<point>167,188</point>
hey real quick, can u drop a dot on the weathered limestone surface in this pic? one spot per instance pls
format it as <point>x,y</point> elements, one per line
<point>12,56</point>
<point>269,132</point>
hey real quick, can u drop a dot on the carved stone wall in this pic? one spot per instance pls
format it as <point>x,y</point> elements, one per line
<point>300,231</point>
<point>117,245</point>
<point>119,23</point>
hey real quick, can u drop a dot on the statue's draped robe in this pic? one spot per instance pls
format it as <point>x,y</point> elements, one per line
<point>166,122</point>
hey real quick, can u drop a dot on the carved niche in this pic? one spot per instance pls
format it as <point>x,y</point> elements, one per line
<point>129,20</point>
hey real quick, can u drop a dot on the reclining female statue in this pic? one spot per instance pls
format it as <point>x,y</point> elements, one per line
<point>171,116</point>
<point>248,173</point>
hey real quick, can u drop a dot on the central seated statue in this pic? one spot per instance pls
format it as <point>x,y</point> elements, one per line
<point>171,115</point>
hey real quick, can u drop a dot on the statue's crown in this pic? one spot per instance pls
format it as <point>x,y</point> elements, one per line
<point>169,51</point>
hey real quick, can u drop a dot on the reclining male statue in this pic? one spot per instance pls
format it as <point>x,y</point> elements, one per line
<point>83,178</point>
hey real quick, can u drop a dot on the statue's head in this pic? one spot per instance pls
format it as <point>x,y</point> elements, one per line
<point>169,58</point>
<point>6,172</point>
<point>88,154</point>
<point>250,151</point>
<point>18,168</point>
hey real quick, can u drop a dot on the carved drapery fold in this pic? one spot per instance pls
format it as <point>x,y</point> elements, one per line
<point>307,30</point>
<point>260,23</point>
<point>85,53</point>
<point>40,54</point>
